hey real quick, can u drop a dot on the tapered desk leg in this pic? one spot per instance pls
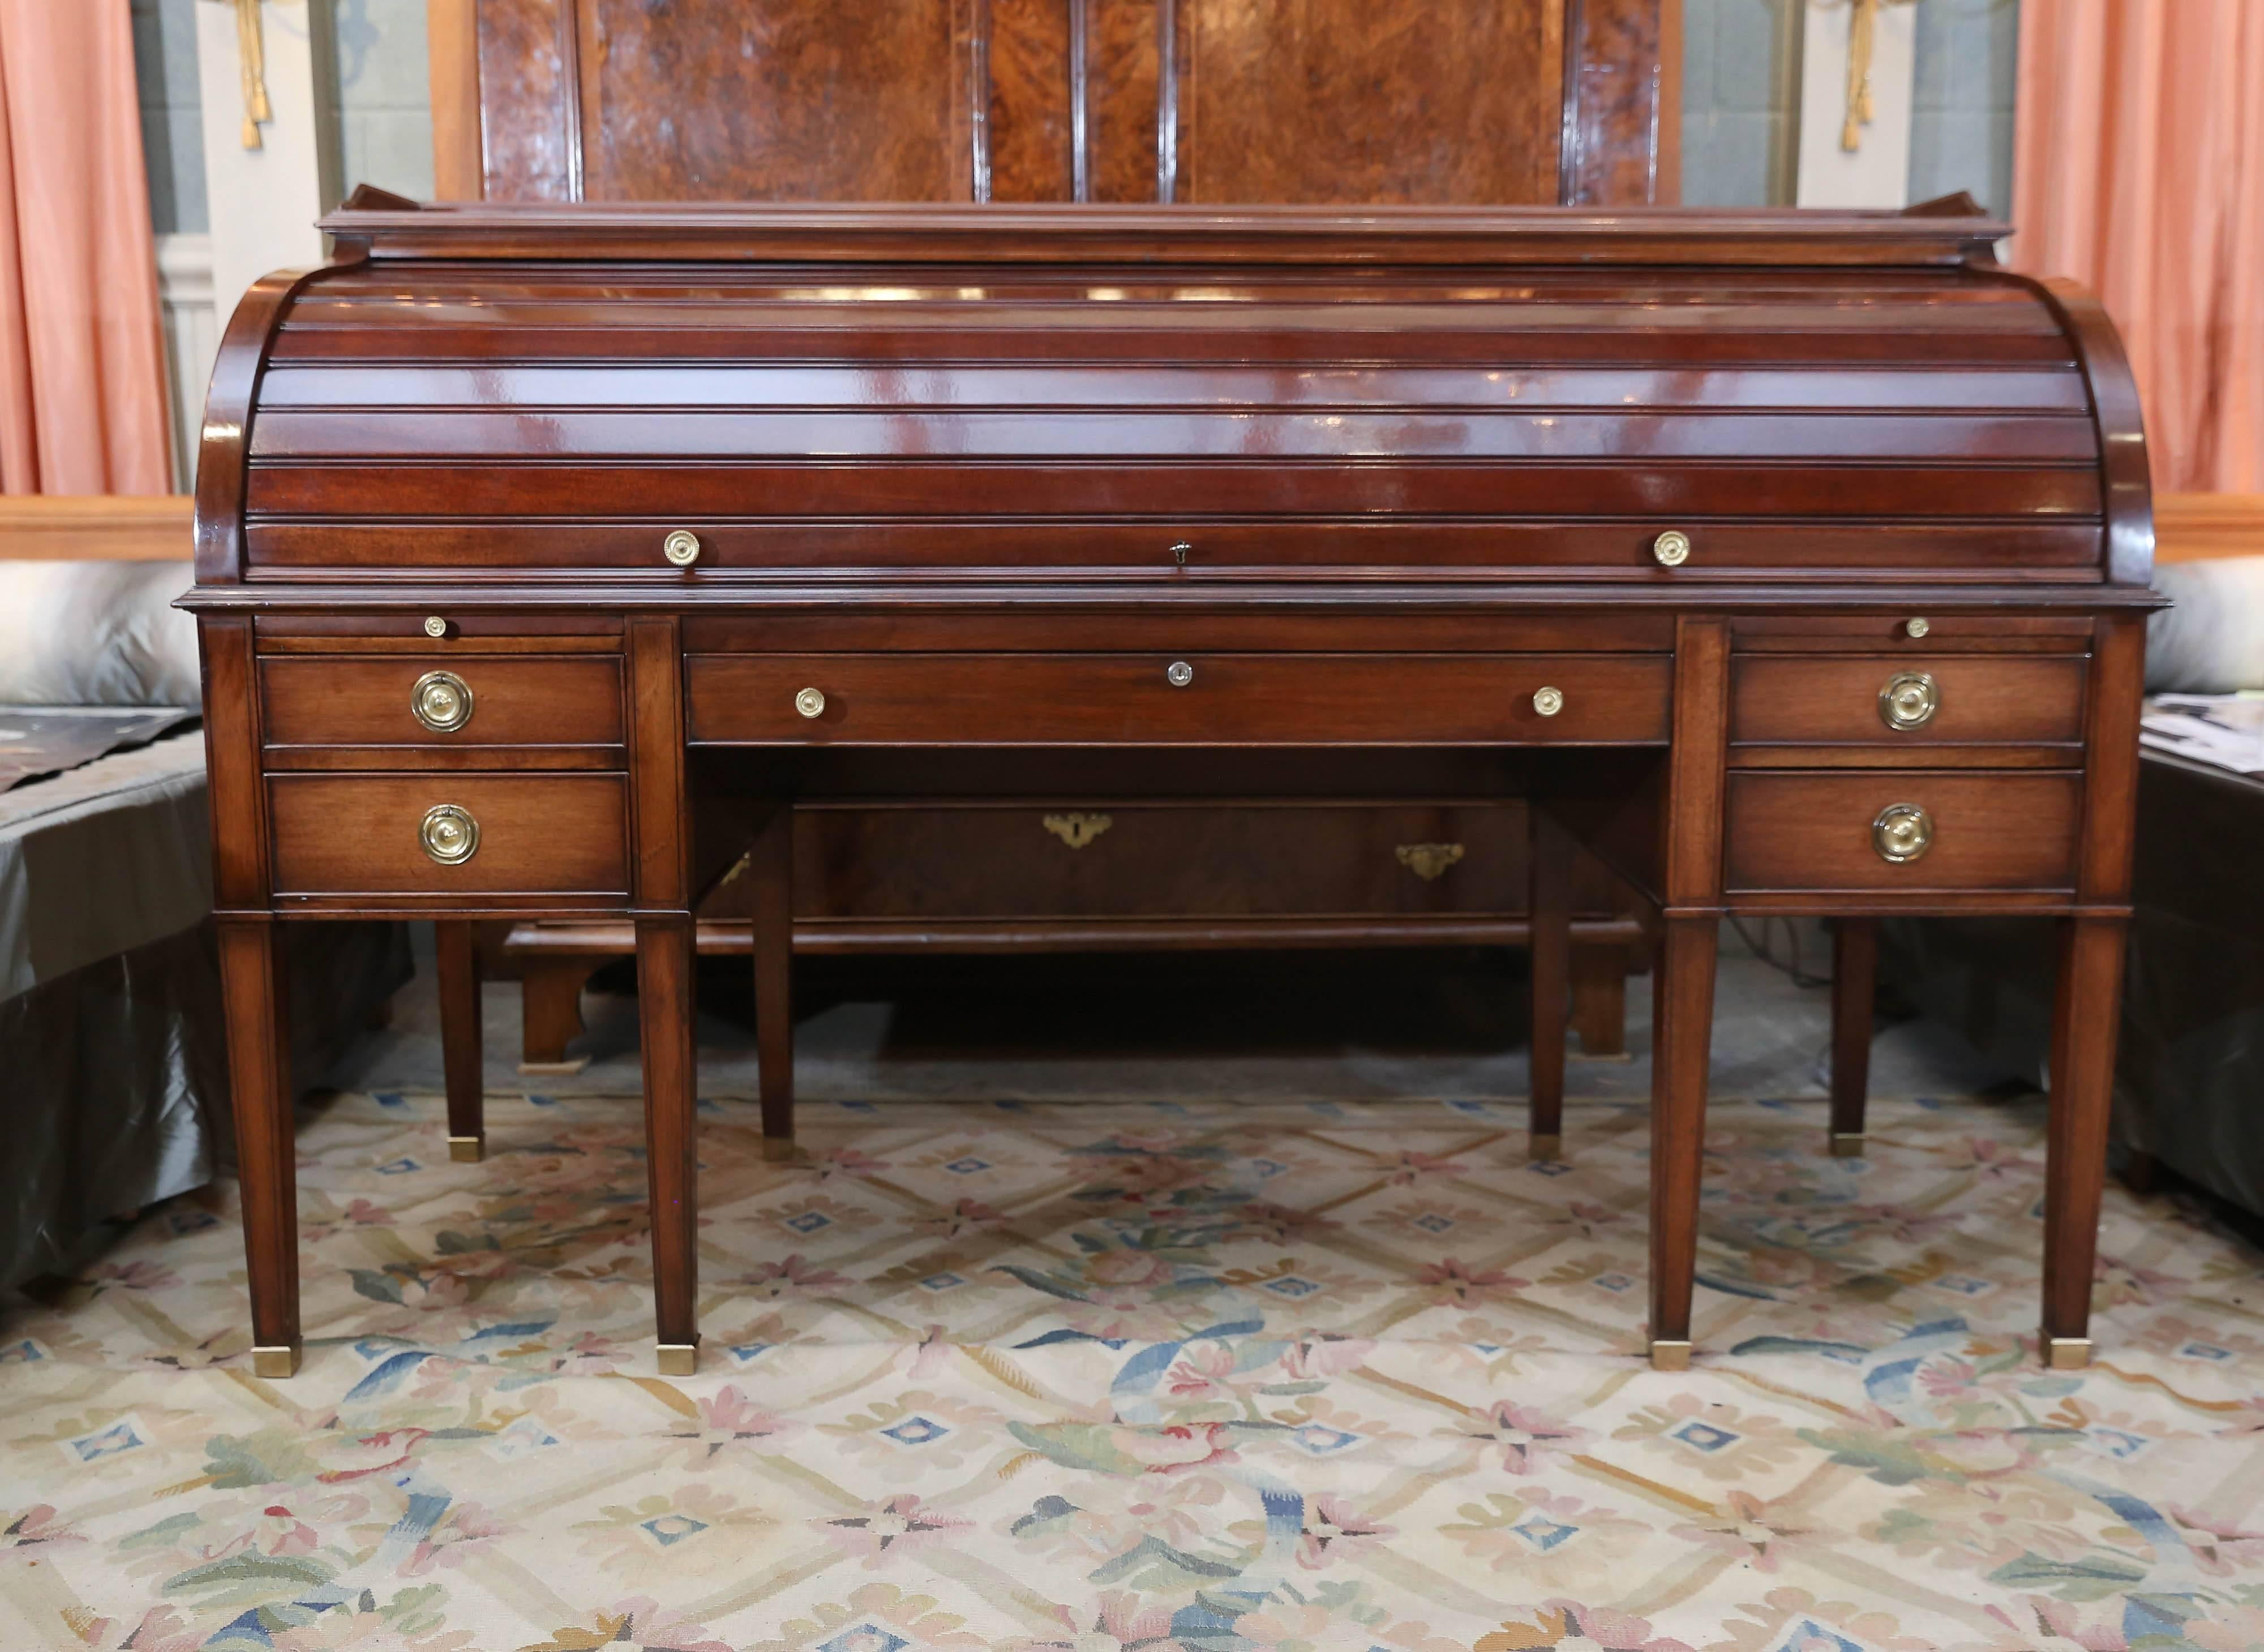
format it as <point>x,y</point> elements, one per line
<point>665,1012</point>
<point>460,1055</point>
<point>1854,984</point>
<point>2085,1019</point>
<point>1681,1040</point>
<point>259,1086</point>
<point>771,867</point>
<point>1550,903</point>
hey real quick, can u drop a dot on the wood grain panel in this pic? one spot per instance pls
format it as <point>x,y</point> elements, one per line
<point>1121,98</point>
<point>1790,698</point>
<point>1031,73</point>
<point>555,833</point>
<point>773,100</point>
<point>527,138</point>
<point>1316,100</point>
<point>1614,131</point>
<point>1799,832</point>
<point>1232,700</point>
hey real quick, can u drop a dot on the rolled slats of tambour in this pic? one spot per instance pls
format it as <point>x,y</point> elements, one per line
<point>1551,420</point>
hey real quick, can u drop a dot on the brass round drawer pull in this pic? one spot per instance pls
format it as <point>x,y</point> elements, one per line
<point>1548,702</point>
<point>1179,674</point>
<point>435,626</point>
<point>449,834</point>
<point>681,547</point>
<point>1903,832</point>
<point>810,702</point>
<point>1672,548</point>
<point>1909,700</point>
<point>442,702</point>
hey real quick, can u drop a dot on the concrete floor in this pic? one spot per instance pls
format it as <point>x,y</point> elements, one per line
<point>1445,1024</point>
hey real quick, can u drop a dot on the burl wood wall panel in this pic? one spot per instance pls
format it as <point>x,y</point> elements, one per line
<point>775,101</point>
<point>528,151</point>
<point>1455,101</point>
<point>1451,102</point>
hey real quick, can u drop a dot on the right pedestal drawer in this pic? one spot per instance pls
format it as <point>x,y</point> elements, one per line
<point>1907,830</point>
<point>1944,699</point>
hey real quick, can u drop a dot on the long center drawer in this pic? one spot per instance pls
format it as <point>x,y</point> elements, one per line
<point>1194,698</point>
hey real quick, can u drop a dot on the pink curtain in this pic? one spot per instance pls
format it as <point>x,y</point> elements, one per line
<point>2138,168</point>
<point>82,362</point>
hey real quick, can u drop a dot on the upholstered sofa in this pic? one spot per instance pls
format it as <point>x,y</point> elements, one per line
<point>115,1091</point>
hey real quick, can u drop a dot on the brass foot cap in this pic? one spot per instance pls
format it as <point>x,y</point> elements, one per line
<point>1667,1355</point>
<point>779,1149</point>
<point>1847,1145</point>
<point>2067,1353</point>
<point>467,1149</point>
<point>1545,1149</point>
<point>278,1362</point>
<point>678,1359</point>
<point>554,1070</point>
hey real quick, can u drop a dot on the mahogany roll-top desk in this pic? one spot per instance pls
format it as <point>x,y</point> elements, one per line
<point>549,558</point>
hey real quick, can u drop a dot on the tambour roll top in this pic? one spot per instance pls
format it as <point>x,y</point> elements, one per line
<point>1014,395</point>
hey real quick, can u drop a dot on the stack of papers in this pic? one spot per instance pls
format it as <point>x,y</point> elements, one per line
<point>2225,731</point>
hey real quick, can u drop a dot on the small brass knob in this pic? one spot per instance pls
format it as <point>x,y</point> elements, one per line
<point>1903,832</point>
<point>1179,674</point>
<point>1548,702</point>
<point>1916,627</point>
<point>810,702</point>
<point>435,626</point>
<point>442,702</point>
<point>1909,700</point>
<point>449,834</point>
<point>1672,548</point>
<point>681,547</point>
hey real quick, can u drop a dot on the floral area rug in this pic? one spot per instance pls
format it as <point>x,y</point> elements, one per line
<point>1131,1376</point>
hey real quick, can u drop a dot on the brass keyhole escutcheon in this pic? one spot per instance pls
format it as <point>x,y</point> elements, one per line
<point>1672,548</point>
<point>681,547</point>
<point>810,702</point>
<point>1179,674</point>
<point>1903,832</point>
<point>442,702</point>
<point>1909,700</point>
<point>449,834</point>
<point>1180,553</point>
<point>1548,702</point>
<point>1075,830</point>
<point>1428,861</point>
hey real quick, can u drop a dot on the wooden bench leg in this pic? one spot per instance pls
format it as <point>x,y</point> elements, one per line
<point>666,973</point>
<point>252,994</point>
<point>1854,984</point>
<point>1549,903</point>
<point>461,1058</point>
<point>1682,1039</point>
<point>2084,1026</point>
<point>551,1012</point>
<point>1599,975</point>
<point>771,867</point>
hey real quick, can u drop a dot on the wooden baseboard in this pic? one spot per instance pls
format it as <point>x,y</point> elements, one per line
<point>96,528</point>
<point>2189,527</point>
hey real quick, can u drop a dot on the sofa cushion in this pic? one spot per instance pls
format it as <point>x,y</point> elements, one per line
<point>95,633</point>
<point>2210,641</point>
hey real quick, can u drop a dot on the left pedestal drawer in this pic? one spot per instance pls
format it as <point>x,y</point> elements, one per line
<point>544,707</point>
<point>448,834</point>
